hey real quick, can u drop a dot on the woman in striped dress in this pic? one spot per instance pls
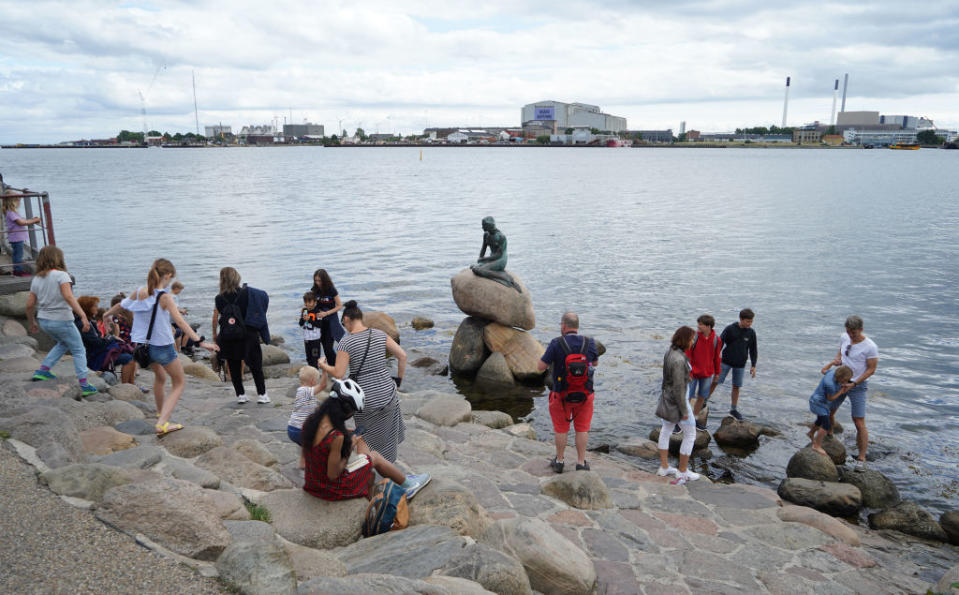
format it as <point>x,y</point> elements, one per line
<point>361,355</point>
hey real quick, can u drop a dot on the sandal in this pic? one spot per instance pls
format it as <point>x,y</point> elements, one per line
<point>166,428</point>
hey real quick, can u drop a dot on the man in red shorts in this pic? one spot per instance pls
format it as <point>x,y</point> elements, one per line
<point>571,399</point>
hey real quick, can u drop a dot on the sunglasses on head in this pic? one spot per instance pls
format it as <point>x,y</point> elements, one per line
<point>848,347</point>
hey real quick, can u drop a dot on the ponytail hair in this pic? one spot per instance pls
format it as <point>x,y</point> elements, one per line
<point>333,409</point>
<point>161,267</point>
<point>352,311</point>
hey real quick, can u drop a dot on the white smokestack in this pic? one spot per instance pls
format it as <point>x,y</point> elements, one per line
<point>845,84</point>
<point>835,95</point>
<point>786,103</point>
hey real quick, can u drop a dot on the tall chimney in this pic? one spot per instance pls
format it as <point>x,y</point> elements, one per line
<point>845,84</point>
<point>786,103</point>
<point>835,95</point>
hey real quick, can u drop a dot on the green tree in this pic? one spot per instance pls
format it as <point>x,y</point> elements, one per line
<point>568,131</point>
<point>595,131</point>
<point>682,137</point>
<point>831,130</point>
<point>126,136</point>
<point>154,133</point>
<point>929,137</point>
<point>637,136</point>
<point>543,139</point>
<point>361,134</point>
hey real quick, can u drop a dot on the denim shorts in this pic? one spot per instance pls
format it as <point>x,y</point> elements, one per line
<point>162,354</point>
<point>857,398</point>
<point>824,422</point>
<point>738,374</point>
<point>294,434</point>
<point>699,387</point>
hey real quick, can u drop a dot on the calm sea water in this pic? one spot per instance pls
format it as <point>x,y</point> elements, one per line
<point>637,241</point>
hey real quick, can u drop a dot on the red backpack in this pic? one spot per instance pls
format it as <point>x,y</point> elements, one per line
<point>574,382</point>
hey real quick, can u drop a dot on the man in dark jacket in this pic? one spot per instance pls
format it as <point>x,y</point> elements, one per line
<point>739,342</point>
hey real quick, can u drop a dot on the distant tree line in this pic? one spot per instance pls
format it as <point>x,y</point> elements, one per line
<point>137,137</point>
<point>775,130</point>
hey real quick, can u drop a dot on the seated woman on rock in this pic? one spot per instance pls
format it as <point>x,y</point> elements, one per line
<point>327,445</point>
<point>104,352</point>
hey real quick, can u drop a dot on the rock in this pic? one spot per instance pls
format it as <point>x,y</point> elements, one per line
<point>309,563</point>
<point>236,468</point>
<point>521,350</point>
<point>381,584</point>
<point>906,517</point>
<point>487,299</point>
<point>421,322</point>
<point>415,552</point>
<point>198,370</point>
<point>384,322</point>
<point>140,457</point>
<point>823,522</point>
<point>492,419</point>
<point>191,441</point>
<point>639,447</point>
<point>809,464</point>
<point>28,341</point>
<point>489,567</point>
<point>14,304</point>
<point>87,415</point>
<point>12,328</point>
<point>949,583</point>
<point>457,585</point>
<point>228,505</point>
<point>42,426</point>
<point>177,514</point>
<point>19,364</point>
<point>104,440</point>
<point>307,520</point>
<point>580,489</point>
<point>273,355</point>
<point>447,503</point>
<point>469,350</point>
<point>675,440</point>
<point>430,366</point>
<point>495,373</point>
<point>255,451</point>
<point>523,430</point>
<point>136,427</point>
<point>89,481</point>
<point>277,340</point>
<point>126,392</point>
<point>877,489</point>
<point>837,499</point>
<point>256,563</point>
<point>446,410</point>
<point>949,521</point>
<point>15,350</point>
<point>552,562</point>
<point>741,434</point>
<point>187,471</point>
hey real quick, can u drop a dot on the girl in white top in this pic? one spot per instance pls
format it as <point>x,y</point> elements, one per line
<point>163,356</point>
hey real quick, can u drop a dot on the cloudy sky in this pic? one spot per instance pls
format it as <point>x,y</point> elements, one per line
<point>76,69</point>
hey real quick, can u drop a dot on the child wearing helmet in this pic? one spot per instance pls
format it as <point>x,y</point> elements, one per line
<point>328,444</point>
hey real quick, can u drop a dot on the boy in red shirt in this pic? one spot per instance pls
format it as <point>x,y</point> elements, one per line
<point>704,357</point>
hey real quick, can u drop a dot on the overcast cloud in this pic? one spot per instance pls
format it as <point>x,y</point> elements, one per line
<point>73,69</point>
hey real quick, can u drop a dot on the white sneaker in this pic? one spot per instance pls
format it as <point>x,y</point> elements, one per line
<point>417,483</point>
<point>241,399</point>
<point>691,475</point>
<point>667,471</point>
<point>264,398</point>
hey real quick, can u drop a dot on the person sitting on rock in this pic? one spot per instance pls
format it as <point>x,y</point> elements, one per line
<point>311,383</point>
<point>328,445</point>
<point>824,401</point>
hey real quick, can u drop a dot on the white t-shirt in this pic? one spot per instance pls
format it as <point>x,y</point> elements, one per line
<point>858,354</point>
<point>50,302</point>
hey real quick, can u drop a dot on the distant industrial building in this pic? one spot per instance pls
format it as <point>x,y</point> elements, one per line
<point>857,119</point>
<point>807,136</point>
<point>259,135</point>
<point>879,137</point>
<point>307,130</point>
<point>217,131</point>
<point>560,116</point>
<point>654,136</point>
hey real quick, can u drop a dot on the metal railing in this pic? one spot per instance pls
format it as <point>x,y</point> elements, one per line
<point>34,204</point>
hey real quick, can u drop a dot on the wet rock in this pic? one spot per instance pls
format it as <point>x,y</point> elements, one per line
<point>878,491</point>
<point>255,451</point>
<point>487,299</point>
<point>809,464</point>
<point>521,351</point>
<point>600,347</point>
<point>446,410</point>
<point>234,467</point>
<point>430,366</point>
<point>255,561</point>
<point>492,419</point>
<point>91,480</point>
<point>639,447</point>
<point>191,441</point>
<point>837,499</point>
<point>823,522</point>
<point>580,489</point>
<point>675,440</point>
<point>384,322</point>
<point>495,373</point>
<point>307,520</point>
<point>552,562</point>
<point>104,440</point>
<point>415,552</point>
<point>835,449</point>
<point>949,522</point>
<point>469,350</point>
<point>420,323</point>
<point>489,567</point>
<point>273,355</point>
<point>177,514</point>
<point>126,392</point>
<point>906,517</point>
<point>447,503</point>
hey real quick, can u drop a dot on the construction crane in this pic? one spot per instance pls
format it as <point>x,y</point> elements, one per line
<point>143,99</point>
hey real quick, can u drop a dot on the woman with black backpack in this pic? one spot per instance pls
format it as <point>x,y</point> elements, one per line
<point>238,342</point>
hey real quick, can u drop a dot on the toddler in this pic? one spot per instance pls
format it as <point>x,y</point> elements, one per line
<point>311,383</point>
<point>824,401</point>
<point>312,331</point>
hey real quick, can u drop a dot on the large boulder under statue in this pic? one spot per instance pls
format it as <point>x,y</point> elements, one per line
<point>487,299</point>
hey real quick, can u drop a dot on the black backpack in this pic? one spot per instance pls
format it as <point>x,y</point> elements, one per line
<point>232,327</point>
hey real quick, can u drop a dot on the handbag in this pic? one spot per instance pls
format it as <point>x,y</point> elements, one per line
<point>141,354</point>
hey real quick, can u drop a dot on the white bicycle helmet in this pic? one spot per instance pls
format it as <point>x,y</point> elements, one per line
<point>349,392</point>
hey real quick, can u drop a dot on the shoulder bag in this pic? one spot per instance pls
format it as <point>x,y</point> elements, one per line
<point>359,371</point>
<point>141,354</point>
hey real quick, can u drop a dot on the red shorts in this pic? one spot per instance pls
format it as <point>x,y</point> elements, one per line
<point>561,413</point>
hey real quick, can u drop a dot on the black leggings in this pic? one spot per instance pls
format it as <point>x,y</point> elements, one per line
<point>254,361</point>
<point>327,340</point>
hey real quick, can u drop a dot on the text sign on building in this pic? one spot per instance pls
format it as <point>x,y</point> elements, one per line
<point>544,113</point>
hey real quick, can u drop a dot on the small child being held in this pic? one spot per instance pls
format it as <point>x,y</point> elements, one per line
<point>312,332</point>
<point>305,403</point>
<point>824,401</point>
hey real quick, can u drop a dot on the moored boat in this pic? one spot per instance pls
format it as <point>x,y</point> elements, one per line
<point>905,146</point>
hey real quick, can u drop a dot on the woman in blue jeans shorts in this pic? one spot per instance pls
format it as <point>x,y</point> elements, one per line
<point>163,356</point>
<point>51,306</point>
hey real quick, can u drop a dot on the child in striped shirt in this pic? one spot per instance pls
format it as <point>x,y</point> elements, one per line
<point>311,383</point>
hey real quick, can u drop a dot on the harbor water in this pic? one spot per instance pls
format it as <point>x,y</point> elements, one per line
<point>637,241</point>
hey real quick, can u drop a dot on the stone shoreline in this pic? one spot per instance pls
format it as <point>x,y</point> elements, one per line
<point>495,518</point>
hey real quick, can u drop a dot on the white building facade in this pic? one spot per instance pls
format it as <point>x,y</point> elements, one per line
<point>879,137</point>
<point>571,115</point>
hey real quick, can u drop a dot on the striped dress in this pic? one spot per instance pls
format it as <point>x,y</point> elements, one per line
<point>381,410</point>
